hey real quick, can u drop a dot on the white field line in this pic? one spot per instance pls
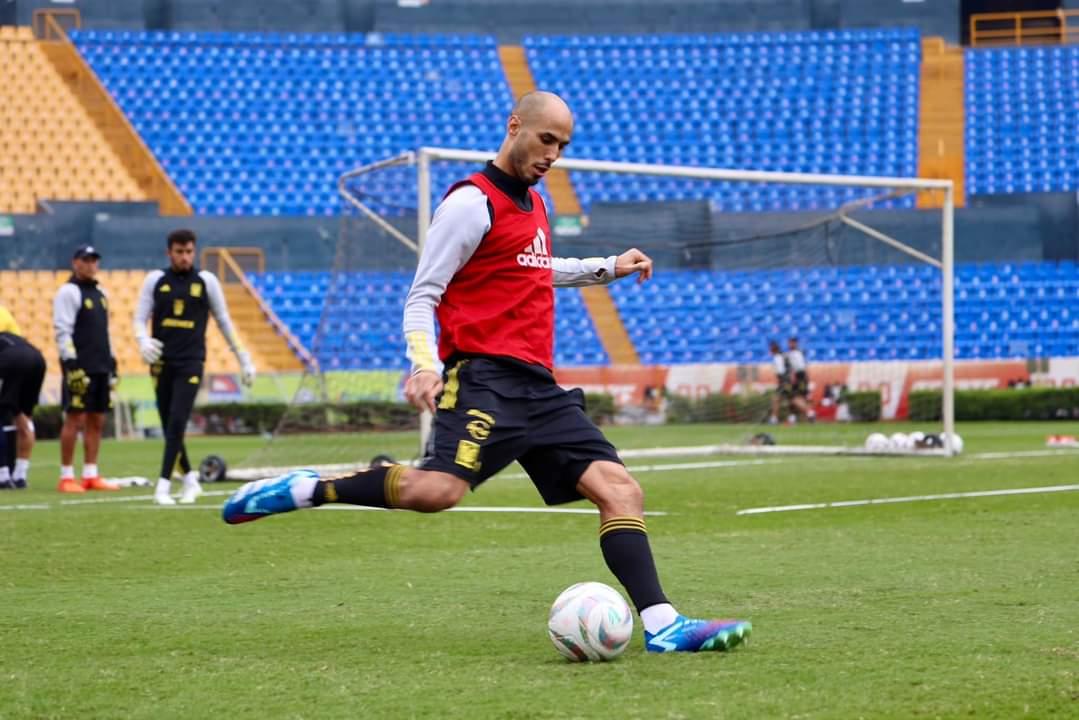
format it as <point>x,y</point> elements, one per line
<point>1019,453</point>
<point>25,507</point>
<point>136,498</point>
<point>510,476</point>
<point>477,509</point>
<point>908,499</point>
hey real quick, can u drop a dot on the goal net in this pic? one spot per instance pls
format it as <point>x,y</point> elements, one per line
<point>857,271</point>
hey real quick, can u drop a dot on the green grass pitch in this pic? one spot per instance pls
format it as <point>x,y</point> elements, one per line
<point>957,608</point>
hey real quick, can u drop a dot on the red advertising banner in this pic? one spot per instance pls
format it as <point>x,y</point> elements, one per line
<point>894,380</point>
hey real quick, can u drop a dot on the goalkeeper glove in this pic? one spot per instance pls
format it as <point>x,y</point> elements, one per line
<point>75,377</point>
<point>247,371</point>
<point>114,375</point>
<point>150,349</point>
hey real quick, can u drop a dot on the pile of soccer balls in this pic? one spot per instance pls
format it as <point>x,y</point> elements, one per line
<point>879,442</point>
<point>590,621</point>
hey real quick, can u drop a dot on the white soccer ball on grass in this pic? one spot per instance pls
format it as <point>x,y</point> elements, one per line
<point>590,621</point>
<point>900,441</point>
<point>957,442</point>
<point>876,441</point>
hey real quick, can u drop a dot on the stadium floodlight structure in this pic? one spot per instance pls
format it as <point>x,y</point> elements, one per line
<point>859,192</point>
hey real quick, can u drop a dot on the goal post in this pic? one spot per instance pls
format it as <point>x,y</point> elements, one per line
<point>904,185</point>
<point>815,229</point>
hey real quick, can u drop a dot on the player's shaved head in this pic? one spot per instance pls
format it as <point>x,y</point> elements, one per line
<point>539,105</point>
<point>539,128</point>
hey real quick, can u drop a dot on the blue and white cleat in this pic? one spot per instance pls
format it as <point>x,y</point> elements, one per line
<point>255,500</point>
<point>690,635</point>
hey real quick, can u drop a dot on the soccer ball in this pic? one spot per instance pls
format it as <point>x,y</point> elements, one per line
<point>876,441</point>
<point>957,442</point>
<point>590,621</point>
<point>899,441</point>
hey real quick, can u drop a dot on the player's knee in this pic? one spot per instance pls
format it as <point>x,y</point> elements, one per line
<point>611,486</point>
<point>628,490</point>
<point>431,492</point>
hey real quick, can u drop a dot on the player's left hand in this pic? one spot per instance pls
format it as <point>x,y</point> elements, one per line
<point>633,261</point>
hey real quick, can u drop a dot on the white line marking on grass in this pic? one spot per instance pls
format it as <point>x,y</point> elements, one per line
<point>912,498</point>
<point>477,509</point>
<point>137,498</point>
<point>1017,453</point>
<point>25,507</point>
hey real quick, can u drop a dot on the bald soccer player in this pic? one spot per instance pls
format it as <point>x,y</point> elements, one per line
<point>488,272</point>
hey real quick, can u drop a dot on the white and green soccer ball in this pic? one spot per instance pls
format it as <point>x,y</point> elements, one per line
<point>876,441</point>
<point>590,621</point>
<point>900,441</point>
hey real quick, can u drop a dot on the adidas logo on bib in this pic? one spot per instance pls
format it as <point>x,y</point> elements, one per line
<point>535,253</point>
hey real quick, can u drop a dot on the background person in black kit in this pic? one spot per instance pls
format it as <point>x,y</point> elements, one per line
<point>799,382</point>
<point>22,370</point>
<point>179,300</point>
<point>80,315</point>
<point>782,393</point>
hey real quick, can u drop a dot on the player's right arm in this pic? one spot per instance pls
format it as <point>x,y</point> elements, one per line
<point>65,309</point>
<point>150,348</point>
<point>459,224</point>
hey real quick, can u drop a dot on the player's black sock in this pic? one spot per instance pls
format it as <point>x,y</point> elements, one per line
<point>376,487</point>
<point>624,542</point>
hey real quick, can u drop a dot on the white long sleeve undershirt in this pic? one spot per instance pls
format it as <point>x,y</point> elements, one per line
<point>459,225</point>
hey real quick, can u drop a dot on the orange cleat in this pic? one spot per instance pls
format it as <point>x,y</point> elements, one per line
<point>68,485</point>
<point>96,483</point>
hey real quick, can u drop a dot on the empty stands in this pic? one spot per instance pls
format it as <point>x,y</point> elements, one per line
<point>50,149</point>
<point>361,328</point>
<point>686,316</point>
<point>264,123</point>
<point>841,102</point>
<point>853,313</point>
<point>1022,120</point>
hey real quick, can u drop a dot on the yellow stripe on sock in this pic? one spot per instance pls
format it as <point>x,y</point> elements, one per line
<point>607,527</point>
<point>392,485</point>
<point>622,523</point>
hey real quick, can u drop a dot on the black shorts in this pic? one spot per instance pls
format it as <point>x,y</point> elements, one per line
<point>492,412</point>
<point>96,398</point>
<point>22,371</point>
<point>800,386</point>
